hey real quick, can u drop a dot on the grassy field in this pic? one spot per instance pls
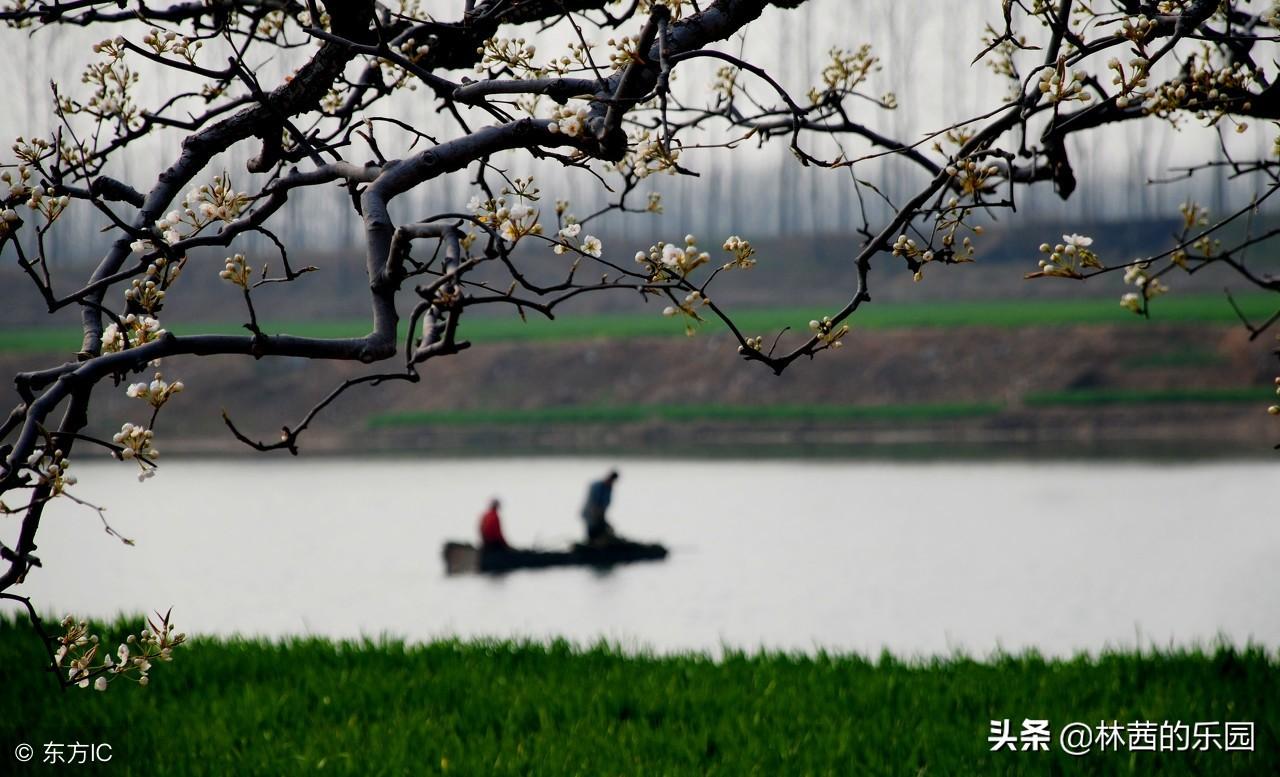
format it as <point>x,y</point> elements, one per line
<point>1188,309</point>
<point>313,706</point>
<point>898,413</point>
<point>1108,396</point>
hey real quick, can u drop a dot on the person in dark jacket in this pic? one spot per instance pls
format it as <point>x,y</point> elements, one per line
<point>491,529</point>
<point>599,495</point>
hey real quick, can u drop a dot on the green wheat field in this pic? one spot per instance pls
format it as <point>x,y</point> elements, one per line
<point>253,707</point>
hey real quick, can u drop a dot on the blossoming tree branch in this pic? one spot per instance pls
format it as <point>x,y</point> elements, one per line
<point>601,106</point>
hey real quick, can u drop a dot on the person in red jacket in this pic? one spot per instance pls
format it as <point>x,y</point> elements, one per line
<point>491,529</point>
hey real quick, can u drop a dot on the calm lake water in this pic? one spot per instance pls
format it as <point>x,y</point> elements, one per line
<point>917,558</point>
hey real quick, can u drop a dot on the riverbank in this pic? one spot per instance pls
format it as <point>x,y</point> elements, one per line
<point>376,707</point>
<point>1020,378</point>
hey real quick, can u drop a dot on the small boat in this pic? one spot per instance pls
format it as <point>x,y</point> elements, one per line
<point>461,557</point>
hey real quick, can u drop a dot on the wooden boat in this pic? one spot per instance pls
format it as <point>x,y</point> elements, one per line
<point>461,557</point>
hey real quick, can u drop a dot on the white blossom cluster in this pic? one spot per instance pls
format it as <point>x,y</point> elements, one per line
<point>37,197</point>
<point>202,206</point>
<point>17,23</point>
<point>726,83</point>
<point>148,293</point>
<point>568,120</point>
<point>30,151</point>
<point>672,260</point>
<point>304,18</point>
<point>237,271</point>
<point>1058,84</point>
<point>1193,215</point>
<point>906,247</point>
<point>46,202</point>
<point>1148,287</point>
<point>743,253</point>
<point>414,51</point>
<point>753,343</point>
<point>845,71</point>
<point>138,330</point>
<point>676,7</point>
<point>78,651</point>
<point>578,59</point>
<point>73,153</point>
<point>50,470</point>
<point>112,81</point>
<point>1068,258</point>
<point>1201,89</point>
<point>515,220</point>
<point>155,393</point>
<point>1137,28</point>
<point>13,192</point>
<point>650,155</point>
<point>218,201</point>
<point>16,189</point>
<point>168,226</point>
<point>515,53</point>
<point>625,51</point>
<point>971,176</point>
<point>518,220</point>
<point>1207,246</point>
<point>271,24</point>
<point>135,443</point>
<point>162,42</point>
<point>1272,16</point>
<point>112,47</point>
<point>828,332</point>
<point>689,309</point>
<point>590,245</point>
<point>1130,83</point>
<point>949,222</point>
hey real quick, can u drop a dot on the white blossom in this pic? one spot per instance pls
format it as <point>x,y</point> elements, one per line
<point>672,255</point>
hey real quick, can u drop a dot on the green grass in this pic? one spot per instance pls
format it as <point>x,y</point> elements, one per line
<point>476,708</point>
<point>1111,396</point>
<point>685,413</point>
<point>1186,309</point>
<point>902,413</point>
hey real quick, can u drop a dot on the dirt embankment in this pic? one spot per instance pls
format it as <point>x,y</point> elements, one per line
<point>1006,368</point>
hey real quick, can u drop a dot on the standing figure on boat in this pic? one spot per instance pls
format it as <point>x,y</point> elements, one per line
<point>491,529</point>
<point>599,495</point>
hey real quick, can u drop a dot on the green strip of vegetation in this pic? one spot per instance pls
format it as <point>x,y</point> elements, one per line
<point>605,414</point>
<point>1091,397</point>
<point>253,707</point>
<point>610,414</point>
<point>1186,309</point>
